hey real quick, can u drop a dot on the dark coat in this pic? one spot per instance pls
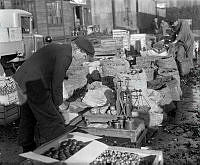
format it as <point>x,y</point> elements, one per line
<point>48,64</point>
<point>154,27</point>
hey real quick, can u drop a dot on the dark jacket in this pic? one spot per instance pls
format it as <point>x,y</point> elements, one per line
<point>154,27</point>
<point>48,64</point>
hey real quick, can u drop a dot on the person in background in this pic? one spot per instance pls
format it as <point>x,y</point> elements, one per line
<point>86,46</point>
<point>184,40</point>
<point>155,26</point>
<point>40,78</point>
<point>164,27</point>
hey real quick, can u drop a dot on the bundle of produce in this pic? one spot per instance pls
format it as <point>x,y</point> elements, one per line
<point>7,86</point>
<point>117,157</point>
<point>108,110</point>
<point>8,91</point>
<point>98,95</point>
<point>66,149</point>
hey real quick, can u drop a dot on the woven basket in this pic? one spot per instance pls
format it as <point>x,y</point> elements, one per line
<point>151,119</point>
<point>168,62</point>
<point>149,73</point>
<point>114,66</point>
<point>145,62</point>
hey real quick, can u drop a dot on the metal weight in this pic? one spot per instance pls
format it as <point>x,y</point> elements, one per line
<point>129,124</point>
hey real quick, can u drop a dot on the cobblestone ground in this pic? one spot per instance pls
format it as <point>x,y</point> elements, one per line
<point>9,148</point>
<point>179,139</point>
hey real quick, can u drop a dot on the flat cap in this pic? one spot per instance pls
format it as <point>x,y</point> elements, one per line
<point>84,44</point>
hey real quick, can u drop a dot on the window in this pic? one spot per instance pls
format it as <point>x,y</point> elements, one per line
<point>16,4</point>
<point>25,23</point>
<point>54,13</point>
<point>28,5</point>
<point>1,4</point>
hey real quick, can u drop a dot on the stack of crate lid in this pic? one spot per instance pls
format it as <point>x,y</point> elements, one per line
<point>112,42</point>
<point>108,47</point>
<point>125,35</point>
<point>9,110</point>
<point>141,38</point>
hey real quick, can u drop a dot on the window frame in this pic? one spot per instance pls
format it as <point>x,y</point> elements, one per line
<point>61,13</point>
<point>27,5</point>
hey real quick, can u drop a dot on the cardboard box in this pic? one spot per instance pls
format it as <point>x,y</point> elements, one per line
<point>89,153</point>
<point>37,157</point>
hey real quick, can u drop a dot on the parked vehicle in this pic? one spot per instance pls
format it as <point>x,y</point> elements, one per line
<point>18,41</point>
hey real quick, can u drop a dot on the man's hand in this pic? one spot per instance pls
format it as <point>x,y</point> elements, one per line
<point>64,106</point>
<point>174,42</point>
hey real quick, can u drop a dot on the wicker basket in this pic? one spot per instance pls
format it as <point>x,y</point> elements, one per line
<point>143,62</point>
<point>167,62</point>
<point>141,108</point>
<point>149,73</point>
<point>114,66</point>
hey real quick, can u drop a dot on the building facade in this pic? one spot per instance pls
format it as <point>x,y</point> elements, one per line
<point>57,18</point>
<point>131,14</point>
<point>185,9</point>
<point>60,18</point>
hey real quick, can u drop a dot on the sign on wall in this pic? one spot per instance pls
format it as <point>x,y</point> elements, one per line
<point>81,2</point>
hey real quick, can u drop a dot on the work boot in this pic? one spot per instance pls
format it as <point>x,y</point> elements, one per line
<point>29,148</point>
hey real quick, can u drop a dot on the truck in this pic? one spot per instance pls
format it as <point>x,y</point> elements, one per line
<point>17,38</point>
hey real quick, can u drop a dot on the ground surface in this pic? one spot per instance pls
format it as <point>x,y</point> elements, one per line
<point>179,138</point>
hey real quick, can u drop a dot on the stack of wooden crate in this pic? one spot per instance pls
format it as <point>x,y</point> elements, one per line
<point>9,113</point>
<point>142,38</point>
<point>125,35</point>
<point>108,47</point>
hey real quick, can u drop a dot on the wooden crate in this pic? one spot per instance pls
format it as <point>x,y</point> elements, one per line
<point>141,140</point>
<point>99,117</point>
<point>9,113</point>
<point>133,134</point>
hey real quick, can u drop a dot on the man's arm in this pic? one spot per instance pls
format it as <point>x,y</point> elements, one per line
<point>62,63</point>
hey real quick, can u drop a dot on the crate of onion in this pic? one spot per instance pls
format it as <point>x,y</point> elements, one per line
<point>95,152</point>
<point>60,149</point>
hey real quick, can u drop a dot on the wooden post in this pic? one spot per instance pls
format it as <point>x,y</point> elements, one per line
<point>113,14</point>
